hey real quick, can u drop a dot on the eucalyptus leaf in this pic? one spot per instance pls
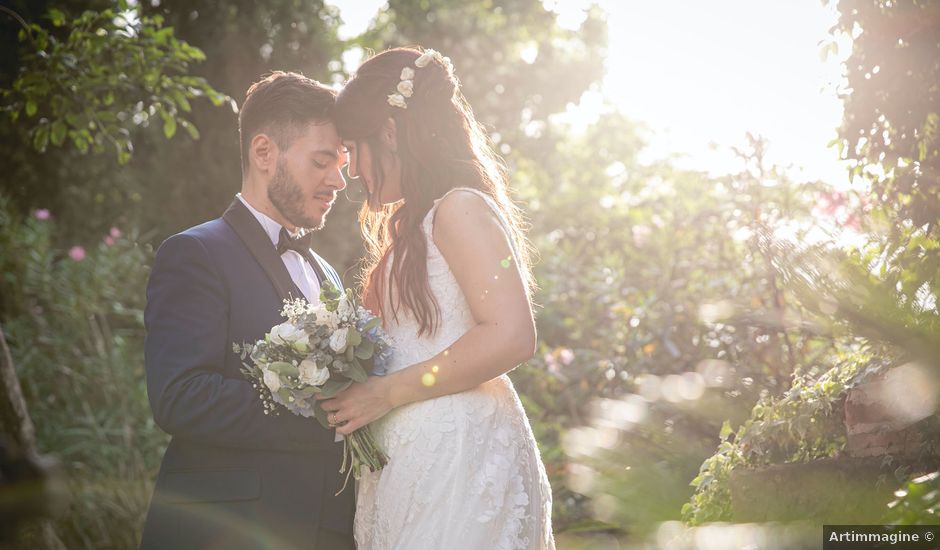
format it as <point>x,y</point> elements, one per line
<point>283,368</point>
<point>356,372</point>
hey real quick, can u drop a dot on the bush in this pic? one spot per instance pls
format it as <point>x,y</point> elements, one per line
<point>73,317</point>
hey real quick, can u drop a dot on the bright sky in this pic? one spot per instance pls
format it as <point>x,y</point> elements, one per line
<point>701,74</point>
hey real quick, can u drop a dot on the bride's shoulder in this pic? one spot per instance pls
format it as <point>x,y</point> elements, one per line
<point>460,209</point>
<point>464,215</point>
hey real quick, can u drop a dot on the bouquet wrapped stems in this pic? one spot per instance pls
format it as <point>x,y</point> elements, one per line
<point>360,449</point>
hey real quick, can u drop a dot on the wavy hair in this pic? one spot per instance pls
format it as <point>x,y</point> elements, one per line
<point>440,146</point>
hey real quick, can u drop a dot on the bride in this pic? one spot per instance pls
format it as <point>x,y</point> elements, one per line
<point>449,272</point>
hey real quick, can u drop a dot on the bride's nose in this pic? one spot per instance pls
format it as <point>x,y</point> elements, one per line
<point>352,168</point>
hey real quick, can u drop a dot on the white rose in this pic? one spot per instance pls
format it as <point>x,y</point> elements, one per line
<point>407,74</point>
<point>397,100</point>
<point>326,317</point>
<point>313,375</point>
<point>289,333</point>
<point>272,381</point>
<point>344,309</point>
<point>338,340</point>
<point>406,88</point>
<point>425,58</point>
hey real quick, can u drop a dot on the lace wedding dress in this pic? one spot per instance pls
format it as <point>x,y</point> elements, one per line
<point>464,471</point>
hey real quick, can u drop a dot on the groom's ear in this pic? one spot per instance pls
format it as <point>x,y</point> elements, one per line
<point>263,152</point>
<point>389,135</point>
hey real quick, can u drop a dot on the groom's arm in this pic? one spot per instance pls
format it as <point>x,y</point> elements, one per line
<point>187,340</point>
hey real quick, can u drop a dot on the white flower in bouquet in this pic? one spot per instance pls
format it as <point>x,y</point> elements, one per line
<point>338,340</point>
<point>344,309</point>
<point>312,374</point>
<point>291,334</point>
<point>325,317</point>
<point>272,380</point>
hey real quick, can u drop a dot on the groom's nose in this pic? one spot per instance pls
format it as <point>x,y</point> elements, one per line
<point>336,180</point>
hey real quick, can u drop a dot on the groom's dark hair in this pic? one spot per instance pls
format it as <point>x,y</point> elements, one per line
<point>281,105</point>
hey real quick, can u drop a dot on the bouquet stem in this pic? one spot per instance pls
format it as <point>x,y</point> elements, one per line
<point>360,449</point>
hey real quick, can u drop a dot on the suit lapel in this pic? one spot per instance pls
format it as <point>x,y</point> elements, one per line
<point>252,234</point>
<point>317,264</point>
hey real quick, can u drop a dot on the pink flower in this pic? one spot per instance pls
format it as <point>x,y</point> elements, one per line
<point>77,253</point>
<point>115,233</point>
<point>566,356</point>
<point>109,240</point>
<point>42,214</point>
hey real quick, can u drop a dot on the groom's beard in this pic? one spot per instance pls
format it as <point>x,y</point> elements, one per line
<point>287,196</point>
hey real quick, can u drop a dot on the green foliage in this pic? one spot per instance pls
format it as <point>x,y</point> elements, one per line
<point>74,321</point>
<point>873,326</point>
<point>803,425</point>
<point>651,277</point>
<point>243,40</point>
<point>890,126</point>
<point>879,299</point>
<point>486,40</point>
<point>917,502</point>
<point>92,80</point>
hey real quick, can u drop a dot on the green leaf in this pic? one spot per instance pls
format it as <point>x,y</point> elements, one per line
<point>284,368</point>
<point>321,416</point>
<point>333,387</point>
<point>31,107</point>
<point>356,372</point>
<point>353,338</point>
<point>59,130</point>
<point>41,138</point>
<point>57,17</point>
<point>307,392</point>
<point>725,430</point>
<point>365,349</point>
<point>169,125</point>
<point>371,324</point>
<point>190,129</point>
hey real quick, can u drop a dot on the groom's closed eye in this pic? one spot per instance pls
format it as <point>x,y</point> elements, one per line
<point>323,159</point>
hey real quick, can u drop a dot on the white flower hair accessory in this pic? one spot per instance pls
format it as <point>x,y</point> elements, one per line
<point>406,84</point>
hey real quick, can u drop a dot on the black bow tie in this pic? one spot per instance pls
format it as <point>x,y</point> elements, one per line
<point>300,244</point>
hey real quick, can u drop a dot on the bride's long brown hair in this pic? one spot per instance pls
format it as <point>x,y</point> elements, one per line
<point>440,146</point>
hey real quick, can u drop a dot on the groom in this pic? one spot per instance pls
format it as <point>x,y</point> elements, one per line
<point>233,477</point>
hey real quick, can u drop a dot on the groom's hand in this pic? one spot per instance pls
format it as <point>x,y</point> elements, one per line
<point>358,405</point>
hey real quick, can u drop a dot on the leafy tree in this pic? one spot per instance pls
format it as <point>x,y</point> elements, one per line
<point>243,40</point>
<point>110,74</point>
<point>891,119</point>
<point>517,66</point>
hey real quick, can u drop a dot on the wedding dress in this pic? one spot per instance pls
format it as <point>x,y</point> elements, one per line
<point>464,471</point>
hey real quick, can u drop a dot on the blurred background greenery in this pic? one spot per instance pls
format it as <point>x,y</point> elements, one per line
<point>722,355</point>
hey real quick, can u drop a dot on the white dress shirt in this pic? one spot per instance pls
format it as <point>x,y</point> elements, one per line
<point>301,272</point>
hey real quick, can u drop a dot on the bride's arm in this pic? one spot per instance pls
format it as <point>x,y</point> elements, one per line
<point>477,249</point>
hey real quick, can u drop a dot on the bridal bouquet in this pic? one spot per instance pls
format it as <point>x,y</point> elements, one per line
<point>320,350</point>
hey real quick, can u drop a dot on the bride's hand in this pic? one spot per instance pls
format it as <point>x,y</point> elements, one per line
<point>358,405</point>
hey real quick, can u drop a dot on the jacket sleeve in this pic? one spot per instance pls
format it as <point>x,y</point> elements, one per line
<point>187,341</point>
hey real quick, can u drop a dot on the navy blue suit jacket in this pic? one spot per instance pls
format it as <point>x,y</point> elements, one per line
<point>231,477</point>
